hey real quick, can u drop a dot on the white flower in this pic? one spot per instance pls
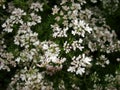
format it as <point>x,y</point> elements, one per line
<point>71,69</point>
<point>45,47</point>
<point>24,28</point>
<point>79,64</point>
<point>18,13</point>
<point>37,6</point>
<point>35,19</point>
<point>55,10</point>
<point>36,43</point>
<point>82,1</point>
<point>80,70</point>
<point>93,1</point>
<point>59,32</point>
<point>118,59</point>
<point>1,65</point>
<point>102,60</point>
<point>80,27</point>
<point>66,8</point>
<point>67,47</point>
<point>17,59</point>
<point>77,44</point>
<point>8,26</point>
<point>54,58</point>
<point>15,18</point>
<point>88,29</point>
<point>86,60</point>
<point>23,77</point>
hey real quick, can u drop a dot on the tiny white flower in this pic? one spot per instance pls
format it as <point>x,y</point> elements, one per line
<point>80,70</point>
<point>18,59</point>
<point>18,12</point>
<point>35,18</point>
<point>45,47</point>
<point>71,69</point>
<point>55,10</point>
<point>37,6</point>
<point>93,1</point>
<point>36,43</point>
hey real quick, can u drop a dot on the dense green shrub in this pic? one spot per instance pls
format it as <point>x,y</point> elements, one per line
<point>59,45</point>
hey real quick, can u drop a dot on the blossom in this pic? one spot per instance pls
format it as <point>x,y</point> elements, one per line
<point>73,46</point>
<point>79,64</point>
<point>51,58</point>
<point>17,12</point>
<point>82,2</point>
<point>6,58</point>
<point>59,32</point>
<point>102,60</point>
<point>37,6</point>
<point>7,26</point>
<point>77,44</point>
<point>35,19</point>
<point>67,47</point>
<point>80,70</point>
<point>55,10</point>
<point>15,18</point>
<point>93,1</point>
<point>79,27</point>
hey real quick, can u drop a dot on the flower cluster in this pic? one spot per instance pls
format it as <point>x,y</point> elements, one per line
<point>79,63</point>
<point>84,33</point>
<point>70,20</point>
<point>29,79</point>
<point>6,58</point>
<point>37,6</point>
<point>102,39</point>
<point>51,60</point>
<point>73,46</point>
<point>73,27</point>
<point>102,61</point>
<point>26,37</point>
<point>34,53</point>
<point>15,18</point>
